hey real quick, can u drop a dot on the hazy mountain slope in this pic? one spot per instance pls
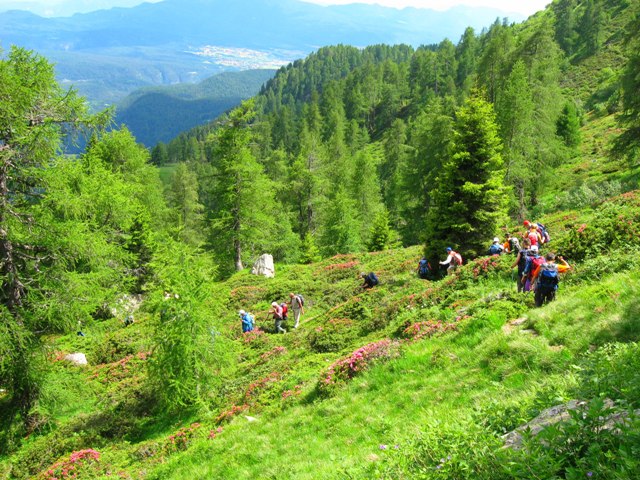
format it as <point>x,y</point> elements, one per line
<point>158,114</point>
<point>109,53</point>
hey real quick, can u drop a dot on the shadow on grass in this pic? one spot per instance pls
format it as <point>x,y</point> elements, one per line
<point>627,329</point>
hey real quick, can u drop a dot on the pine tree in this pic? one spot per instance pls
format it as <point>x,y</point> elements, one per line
<point>469,201</point>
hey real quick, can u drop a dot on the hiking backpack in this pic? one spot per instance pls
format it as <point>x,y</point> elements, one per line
<point>533,262</point>
<point>374,279</point>
<point>423,268</point>
<point>285,310</point>
<point>457,258</point>
<point>300,299</point>
<point>525,258</point>
<point>548,277</point>
<point>495,249</point>
<point>544,233</point>
<point>514,245</point>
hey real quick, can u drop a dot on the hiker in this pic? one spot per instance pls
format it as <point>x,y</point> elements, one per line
<point>128,320</point>
<point>495,248</point>
<point>511,244</point>
<point>541,229</point>
<point>534,236</point>
<point>276,311</point>
<point>247,321</point>
<point>521,263</point>
<point>453,260</point>
<point>297,305</point>
<point>370,280</point>
<point>424,269</point>
<point>533,262</point>
<point>546,278</point>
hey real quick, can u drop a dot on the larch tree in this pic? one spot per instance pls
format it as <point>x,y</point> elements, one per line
<point>35,112</point>
<point>628,143</point>
<point>242,213</point>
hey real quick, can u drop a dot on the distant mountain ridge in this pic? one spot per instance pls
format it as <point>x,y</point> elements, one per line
<point>158,114</point>
<point>109,53</point>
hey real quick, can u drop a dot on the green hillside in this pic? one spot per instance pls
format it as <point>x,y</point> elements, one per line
<point>159,114</point>
<point>349,161</point>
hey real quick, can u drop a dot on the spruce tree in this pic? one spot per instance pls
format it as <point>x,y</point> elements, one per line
<point>568,125</point>
<point>468,204</point>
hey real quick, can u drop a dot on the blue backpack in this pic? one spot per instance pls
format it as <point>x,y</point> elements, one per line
<point>423,268</point>
<point>374,279</point>
<point>548,278</point>
<point>495,249</point>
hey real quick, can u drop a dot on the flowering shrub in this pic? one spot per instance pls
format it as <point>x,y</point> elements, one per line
<point>79,462</point>
<point>181,439</point>
<point>232,412</point>
<point>255,388</point>
<point>274,352</point>
<point>117,371</point>
<point>214,433</point>
<point>255,338</point>
<point>247,295</point>
<point>429,328</point>
<point>346,368</point>
<point>342,266</point>
<point>614,226</point>
<point>294,392</point>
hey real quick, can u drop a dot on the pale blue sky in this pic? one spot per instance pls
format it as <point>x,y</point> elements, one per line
<point>44,7</point>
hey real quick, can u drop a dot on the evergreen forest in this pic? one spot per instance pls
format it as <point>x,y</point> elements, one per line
<point>123,269</point>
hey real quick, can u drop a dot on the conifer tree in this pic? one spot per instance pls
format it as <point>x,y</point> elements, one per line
<point>628,143</point>
<point>183,198</point>
<point>381,235</point>
<point>33,112</point>
<point>429,148</point>
<point>242,216</point>
<point>468,204</point>
<point>515,111</point>
<point>568,125</point>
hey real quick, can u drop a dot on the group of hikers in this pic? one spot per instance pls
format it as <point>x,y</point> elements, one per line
<point>279,312</point>
<point>535,273</point>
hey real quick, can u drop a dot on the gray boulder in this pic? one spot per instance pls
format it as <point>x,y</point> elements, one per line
<point>264,266</point>
<point>76,358</point>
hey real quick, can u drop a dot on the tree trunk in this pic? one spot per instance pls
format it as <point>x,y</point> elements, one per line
<point>12,288</point>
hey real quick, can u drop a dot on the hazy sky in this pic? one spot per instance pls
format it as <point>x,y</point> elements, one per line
<point>525,7</point>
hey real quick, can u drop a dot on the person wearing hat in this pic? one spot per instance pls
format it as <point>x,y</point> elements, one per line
<point>496,248</point>
<point>247,321</point>
<point>453,260</point>
<point>276,311</point>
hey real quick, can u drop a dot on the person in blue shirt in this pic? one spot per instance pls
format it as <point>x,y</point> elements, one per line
<point>247,321</point>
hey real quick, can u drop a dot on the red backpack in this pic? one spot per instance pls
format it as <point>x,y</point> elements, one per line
<point>285,310</point>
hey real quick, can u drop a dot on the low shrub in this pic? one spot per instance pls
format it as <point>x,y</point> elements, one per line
<point>346,368</point>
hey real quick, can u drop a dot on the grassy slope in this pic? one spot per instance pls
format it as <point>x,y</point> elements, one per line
<point>436,384</point>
